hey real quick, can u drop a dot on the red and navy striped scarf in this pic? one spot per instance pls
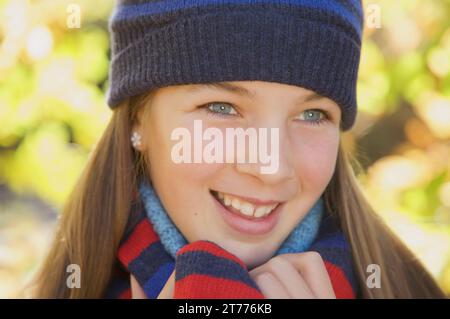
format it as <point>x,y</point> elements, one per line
<point>205,270</point>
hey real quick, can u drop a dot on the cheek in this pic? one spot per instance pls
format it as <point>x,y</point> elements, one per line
<point>315,160</point>
<point>182,187</point>
<point>160,156</point>
<point>183,191</point>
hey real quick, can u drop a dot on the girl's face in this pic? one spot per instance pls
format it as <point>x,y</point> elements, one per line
<point>214,201</point>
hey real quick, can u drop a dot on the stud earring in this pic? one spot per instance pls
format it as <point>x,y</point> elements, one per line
<point>136,139</point>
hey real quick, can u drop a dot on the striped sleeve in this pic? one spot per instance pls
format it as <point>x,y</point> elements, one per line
<point>336,253</point>
<point>204,270</point>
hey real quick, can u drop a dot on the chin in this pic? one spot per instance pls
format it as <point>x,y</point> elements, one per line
<point>252,255</point>
<point>252,252</point>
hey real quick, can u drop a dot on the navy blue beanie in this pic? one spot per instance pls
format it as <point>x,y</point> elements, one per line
<point>314,44</point>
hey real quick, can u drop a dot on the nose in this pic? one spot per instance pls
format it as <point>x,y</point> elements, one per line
<point>275,161</point>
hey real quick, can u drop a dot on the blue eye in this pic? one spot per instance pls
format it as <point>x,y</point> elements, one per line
<point>314,116</point>
<point>220,108</point>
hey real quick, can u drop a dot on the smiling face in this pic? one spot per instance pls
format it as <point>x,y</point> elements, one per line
<point>234,204</point>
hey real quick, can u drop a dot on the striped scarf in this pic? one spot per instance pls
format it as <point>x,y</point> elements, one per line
<point>204,270</point>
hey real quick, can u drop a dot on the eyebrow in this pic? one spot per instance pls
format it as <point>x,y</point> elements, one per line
<point>239,90</point>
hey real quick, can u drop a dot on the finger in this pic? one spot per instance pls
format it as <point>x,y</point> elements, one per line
<point>311,266</point>
<point>270,287</point>
<point>136,291</point>
<point>289,277</point>
<point>168,289</point>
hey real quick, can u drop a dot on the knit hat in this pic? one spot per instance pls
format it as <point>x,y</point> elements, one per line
<point>314,44</point>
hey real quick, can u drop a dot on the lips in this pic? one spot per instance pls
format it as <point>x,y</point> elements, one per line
<point>247,215</point>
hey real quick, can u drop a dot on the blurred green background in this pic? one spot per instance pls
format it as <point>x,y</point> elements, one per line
<point>53,80</point>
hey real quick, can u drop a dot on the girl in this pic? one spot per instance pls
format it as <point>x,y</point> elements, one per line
<point>142,224</point>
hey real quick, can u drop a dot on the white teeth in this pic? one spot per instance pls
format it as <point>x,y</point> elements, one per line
<point>268,210</point>
<point>245,208</point>
<point>260,211</point>
<point>236,203</point>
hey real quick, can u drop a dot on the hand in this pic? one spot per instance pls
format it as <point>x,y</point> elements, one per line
<point>296,276</point>
<point>166,293</point>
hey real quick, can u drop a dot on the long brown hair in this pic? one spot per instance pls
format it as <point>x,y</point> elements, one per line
<point>95,216</point>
